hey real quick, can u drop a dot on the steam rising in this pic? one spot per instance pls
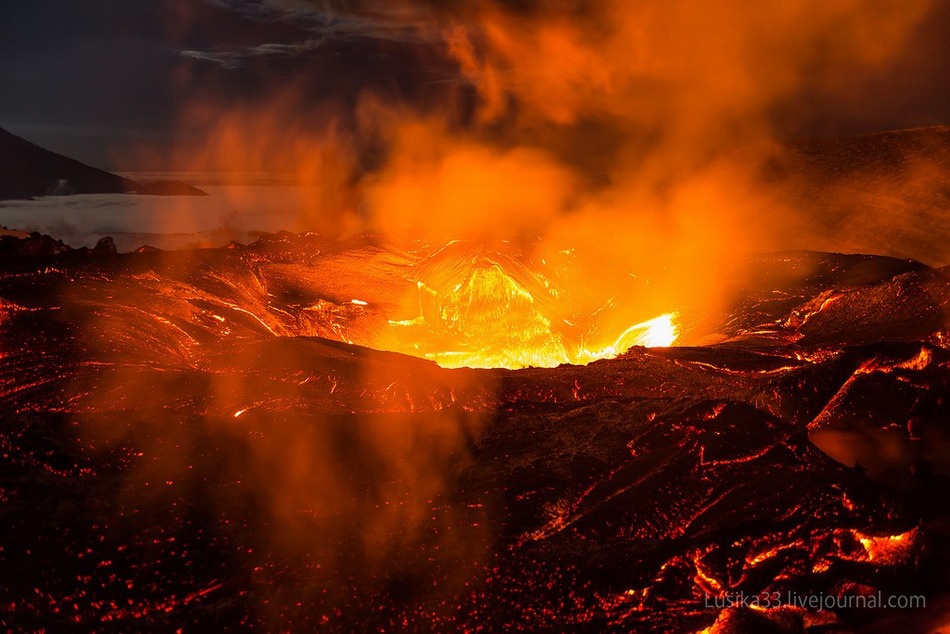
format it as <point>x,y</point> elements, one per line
<point>607,142</point>
<point>622,130</point>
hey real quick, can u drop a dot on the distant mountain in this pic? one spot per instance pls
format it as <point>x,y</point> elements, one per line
<point>865,158</point>
<point>885,192</point>
<point>27,170</point>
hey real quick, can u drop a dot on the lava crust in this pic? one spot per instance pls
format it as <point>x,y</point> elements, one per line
<point>189,441</point>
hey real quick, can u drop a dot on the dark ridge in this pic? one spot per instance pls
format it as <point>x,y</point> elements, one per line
<point>884,192</point>
<point>27,170</point>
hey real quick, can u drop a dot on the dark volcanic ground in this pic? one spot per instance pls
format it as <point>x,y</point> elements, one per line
<point>184,446</point>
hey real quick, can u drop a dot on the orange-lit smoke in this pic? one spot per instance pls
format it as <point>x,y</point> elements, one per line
<point>603,151</point>
<point>333,472</point>
<point>665,195</point>
<point>683,91</point>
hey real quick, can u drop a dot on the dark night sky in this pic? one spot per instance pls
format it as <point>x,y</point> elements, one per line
<point>80,76</point>
<point>90,78</point>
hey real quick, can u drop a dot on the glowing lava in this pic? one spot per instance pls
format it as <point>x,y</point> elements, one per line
<point>489,311</point>
<point>659,332</point>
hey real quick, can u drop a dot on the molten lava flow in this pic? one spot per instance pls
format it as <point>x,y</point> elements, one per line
<point>659,332</point>
<point>488,310</point>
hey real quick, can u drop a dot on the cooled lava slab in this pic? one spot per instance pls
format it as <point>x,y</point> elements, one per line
<point>187,443</point>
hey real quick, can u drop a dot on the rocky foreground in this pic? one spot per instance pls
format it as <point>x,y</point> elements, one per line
<point>187,441</point>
